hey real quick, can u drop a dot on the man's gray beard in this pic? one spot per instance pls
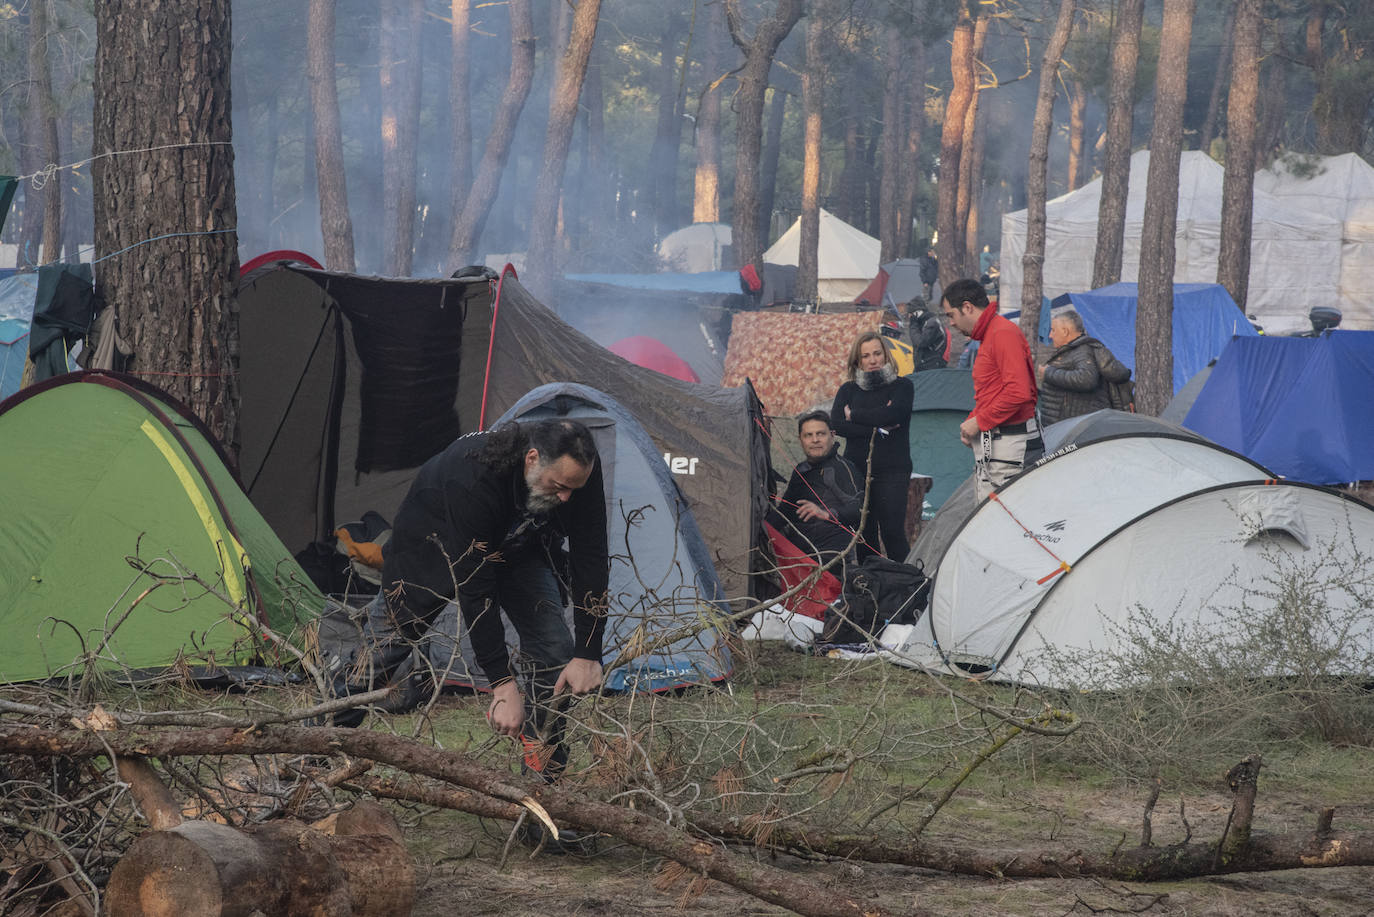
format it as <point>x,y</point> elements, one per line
<point>538,503</point>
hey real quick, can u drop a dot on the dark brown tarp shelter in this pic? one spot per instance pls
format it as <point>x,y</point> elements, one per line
<point>349,383</point>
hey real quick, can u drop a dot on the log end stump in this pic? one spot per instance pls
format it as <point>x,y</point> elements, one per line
<point>280,869</point>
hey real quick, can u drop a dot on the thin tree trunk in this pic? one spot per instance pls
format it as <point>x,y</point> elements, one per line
<point>909,175</point>
<point>460,128</point>
<point>1238,186</point>
<point>1116,160</point>
<point>173,292</point>
<point>894,90</point>
<point>601,198</point>
<point>1033,262</point>
<point>1273,107</point>
<point>45,118</point>
<point>1219,79</point>
<point>813,81</point>
<point>73,213</point>
<point>979,143</point>
<point>847,207</point>
<point>1154,352</point>
<point>951,149</point>
<point>335,223</point>
<point>748,105</point>
<point>467,227</point>
<point>662,181</point>
<point>968,178</point>
<point>1078,104</point>
<point>400,79</point>
<point>706,181</point>
<point>460,103</point>
<point>768,168</point>
<point>542,259</point>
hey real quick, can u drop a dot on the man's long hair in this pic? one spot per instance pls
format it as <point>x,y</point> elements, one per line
<point>506,445</point>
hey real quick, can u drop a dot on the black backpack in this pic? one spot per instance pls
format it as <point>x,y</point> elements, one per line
<point>1121,395</point>
<point>876,592</point>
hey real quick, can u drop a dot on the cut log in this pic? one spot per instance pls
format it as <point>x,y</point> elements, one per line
<point>205,869</point>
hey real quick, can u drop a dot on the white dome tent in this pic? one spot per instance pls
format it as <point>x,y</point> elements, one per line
<point>1058,562</point>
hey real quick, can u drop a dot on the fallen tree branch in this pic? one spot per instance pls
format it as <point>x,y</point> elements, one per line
<point>768,883</point>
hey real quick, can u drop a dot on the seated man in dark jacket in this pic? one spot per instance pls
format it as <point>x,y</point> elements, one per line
<point>484,523</point>
<point>820,508</point>
<point>1074,380</point>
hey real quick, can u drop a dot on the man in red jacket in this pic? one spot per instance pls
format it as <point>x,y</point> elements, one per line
<point>1002,429</point>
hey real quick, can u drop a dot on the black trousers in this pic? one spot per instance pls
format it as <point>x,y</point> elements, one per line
<point>885,530</point>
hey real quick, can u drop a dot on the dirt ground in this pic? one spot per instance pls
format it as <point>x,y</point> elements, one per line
<point>462,872</point>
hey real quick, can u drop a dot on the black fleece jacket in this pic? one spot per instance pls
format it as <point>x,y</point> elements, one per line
<point>887,407</point>
<point>458,523</point>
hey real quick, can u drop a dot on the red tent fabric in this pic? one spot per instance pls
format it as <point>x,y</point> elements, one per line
<point>873,293</point>
<point>651,353</point>
<point>795,565</point>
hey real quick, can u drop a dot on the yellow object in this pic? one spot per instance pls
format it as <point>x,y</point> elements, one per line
<point>368,552</point>
<point>903,355</point>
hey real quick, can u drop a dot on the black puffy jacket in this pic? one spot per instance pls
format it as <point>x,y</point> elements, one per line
<point>1076,377</point>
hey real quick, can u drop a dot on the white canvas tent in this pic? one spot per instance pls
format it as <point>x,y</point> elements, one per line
<point>697,247</point>
<point>847,258</point>
<point>1295,255</point>
<point>1074,550</point>
<point>1343,187</point>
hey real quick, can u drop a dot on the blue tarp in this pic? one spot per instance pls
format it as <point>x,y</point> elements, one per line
<point>1297,405</point>
<point>1205,319</point>
<point>14,349</point>
<point>702,282</point>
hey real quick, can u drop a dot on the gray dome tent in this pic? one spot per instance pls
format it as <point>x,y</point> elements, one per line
<point>662,578</point>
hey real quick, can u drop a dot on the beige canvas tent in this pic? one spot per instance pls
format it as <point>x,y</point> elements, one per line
<point>847,258</point>
<point>1295,255</point>
<point>1341,187</point>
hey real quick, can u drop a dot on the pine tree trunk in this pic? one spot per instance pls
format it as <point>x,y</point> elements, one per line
<point>894,89</point>
<point>336,225</point>
<point>706,181</point>
<point>469,222</point>
<point>1078,103</point>
<point>1238,186</point>
<point>460,103</point>
<point>813,79</point>
<point>909,175</point>
<point>768,168</point>
<point>1154,352</point>
<point>1219,79</point>
<point>1033,262</point>
<point>951,146</point>
<point>165,218</point>
<point>968,177</point>
<point>668,132</point>
<point>1116,159</point>
<point>400,81</point>
<point>542,259</point>
<point>749,237</point>
<point>44,116</point>
<point>975,154</point>
<point>848,206</point>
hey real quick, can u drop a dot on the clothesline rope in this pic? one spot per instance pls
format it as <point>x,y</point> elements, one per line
<point>42,176</point>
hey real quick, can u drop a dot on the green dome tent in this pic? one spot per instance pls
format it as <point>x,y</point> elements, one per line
<point>125,535</point>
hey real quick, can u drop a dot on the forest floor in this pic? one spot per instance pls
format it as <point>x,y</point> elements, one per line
<point>466,868</point>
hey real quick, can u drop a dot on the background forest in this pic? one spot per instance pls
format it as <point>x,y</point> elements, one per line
<point>652,148</point>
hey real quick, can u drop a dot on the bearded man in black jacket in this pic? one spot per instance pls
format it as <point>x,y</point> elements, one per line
<point>821,506</point>
<point>484,522</point>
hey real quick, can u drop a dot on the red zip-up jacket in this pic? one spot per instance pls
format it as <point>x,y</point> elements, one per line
<point>1003,373</point>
